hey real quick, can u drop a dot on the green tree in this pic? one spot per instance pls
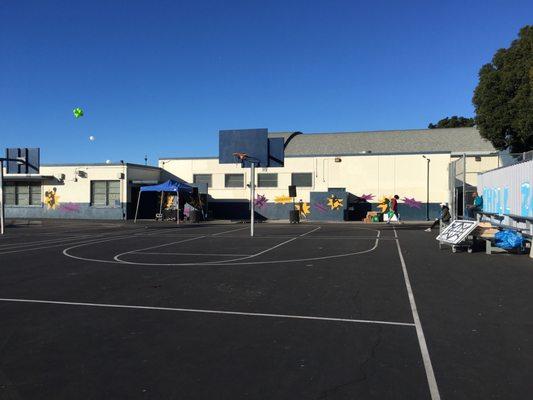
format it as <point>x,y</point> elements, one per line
<point>503,98</point>
<point>453,122</point>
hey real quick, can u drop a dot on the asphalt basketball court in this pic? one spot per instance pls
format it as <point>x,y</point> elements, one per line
<point>311,311</point>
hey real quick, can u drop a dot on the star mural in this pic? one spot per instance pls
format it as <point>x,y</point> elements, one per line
<point>367,197</point>
<point>260,201</point>
<point>383,204</point>
<point>412,203</point>
<point>283,199</point>
<point>305,209</point>
<point>334,202</point>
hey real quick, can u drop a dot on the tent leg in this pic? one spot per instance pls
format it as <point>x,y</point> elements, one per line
<point>177,208</point>
<point>137,208</point>
<point>161,206</point>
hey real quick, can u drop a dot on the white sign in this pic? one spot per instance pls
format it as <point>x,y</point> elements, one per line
<point>457,231</point>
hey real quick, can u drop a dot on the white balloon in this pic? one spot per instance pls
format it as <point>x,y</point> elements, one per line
<point>108,161</point>
<point>91,138</point>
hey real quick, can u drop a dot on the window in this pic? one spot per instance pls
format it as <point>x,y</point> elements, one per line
<point>105,193</point>
<point>302,179</point>
<point>267,180</point>
<point>22,193</point>
<point>203,178</point>
<point>234,180</point>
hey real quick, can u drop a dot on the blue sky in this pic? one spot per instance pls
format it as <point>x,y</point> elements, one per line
<point>162,77</point>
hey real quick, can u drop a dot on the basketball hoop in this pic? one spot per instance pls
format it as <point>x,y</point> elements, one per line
<point>240,157</point>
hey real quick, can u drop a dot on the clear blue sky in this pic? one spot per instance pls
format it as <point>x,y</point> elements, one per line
<point>162,77</point>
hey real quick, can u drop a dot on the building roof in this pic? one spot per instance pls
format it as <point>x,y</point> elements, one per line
<point>112,164</point>
<point>453,140</point>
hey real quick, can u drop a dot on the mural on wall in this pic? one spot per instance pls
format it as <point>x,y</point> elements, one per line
<point>496,200</point>
<point>169,202</point>
<point>412,203</point>
<point>321,208</point>
<point>303,208</point>
<point>526,201</point>
<point>51,199</point>
<point>69,207</point>
<point>282,199</point>
<point>260,201</point>
<point>383,204</point>
<point>334,202</point>
<point>367,197</point>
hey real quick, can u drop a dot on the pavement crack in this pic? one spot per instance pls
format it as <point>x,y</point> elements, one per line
<point>363,366</point>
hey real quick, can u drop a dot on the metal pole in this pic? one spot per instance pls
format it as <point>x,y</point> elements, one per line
<point>137,208</point>
<point>252,197</point>
<point>161,206</point>
<point>427,194</point>
<point>1,197</point>
<point>178,208</point>
<point>464,185</point>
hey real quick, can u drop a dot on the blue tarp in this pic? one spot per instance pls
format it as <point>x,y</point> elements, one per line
<point>508,239</point>
<point>168,186</point>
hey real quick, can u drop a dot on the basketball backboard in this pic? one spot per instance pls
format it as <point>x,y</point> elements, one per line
<point>23,160</point>
<point>255,143</point>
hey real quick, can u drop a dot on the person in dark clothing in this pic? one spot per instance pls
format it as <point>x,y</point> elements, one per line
<point>445,217</point>
<point>394,208</point>
<point>476,206</point>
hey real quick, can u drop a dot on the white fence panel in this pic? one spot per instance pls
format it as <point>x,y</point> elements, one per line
<point>508,190</point>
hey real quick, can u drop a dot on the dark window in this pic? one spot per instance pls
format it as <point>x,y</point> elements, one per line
<point>234,180</point>
<point>105,193</point>
<point>22,193</point>
<point>203,178</point>
<point>302,179</point>
<point>267,180</point>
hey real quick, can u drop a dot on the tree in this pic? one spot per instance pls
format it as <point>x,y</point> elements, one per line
<point>453,122</point>
<point>503,98</point>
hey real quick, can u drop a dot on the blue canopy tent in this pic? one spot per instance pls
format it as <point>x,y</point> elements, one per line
<point>169,186</point>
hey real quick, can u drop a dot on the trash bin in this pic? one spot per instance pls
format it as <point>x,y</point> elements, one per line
<point>294,216</point>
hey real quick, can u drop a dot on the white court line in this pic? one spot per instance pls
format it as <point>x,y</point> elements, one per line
<point>95,239</point>
<point>273,247</point>
<point>432,382</point>
<point>193,254</point>
<point>222,263</point>
<point>203,311</point>
<point>117,257</point>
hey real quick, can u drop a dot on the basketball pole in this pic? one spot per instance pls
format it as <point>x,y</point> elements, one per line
<point>1,196</point>
<point>252,197</point>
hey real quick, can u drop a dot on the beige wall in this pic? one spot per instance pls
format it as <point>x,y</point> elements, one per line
<point>379,175</point>
<point>77,189</point>
<point>474,167</point>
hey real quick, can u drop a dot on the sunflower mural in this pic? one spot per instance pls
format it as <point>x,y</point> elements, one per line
<point>334,202</point>
<point>51,199</point>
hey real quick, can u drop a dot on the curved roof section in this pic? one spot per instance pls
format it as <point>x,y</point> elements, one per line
<point>453,140</point>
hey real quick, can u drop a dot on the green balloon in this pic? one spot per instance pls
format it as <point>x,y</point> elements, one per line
<point>78,112</point>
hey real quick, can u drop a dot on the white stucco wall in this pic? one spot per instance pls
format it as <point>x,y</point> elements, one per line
<point>380,175</point>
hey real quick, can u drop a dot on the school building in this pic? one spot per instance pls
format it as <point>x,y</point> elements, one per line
<point>338,176</point>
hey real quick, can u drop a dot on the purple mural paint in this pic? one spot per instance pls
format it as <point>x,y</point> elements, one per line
<point>69,207</point>
<point>367,197</point>
<point>412,202</point>
<point>320,207</point>
<point>260,201</point>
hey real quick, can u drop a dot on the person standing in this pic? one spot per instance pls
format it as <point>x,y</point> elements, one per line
<point>394,208</point>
